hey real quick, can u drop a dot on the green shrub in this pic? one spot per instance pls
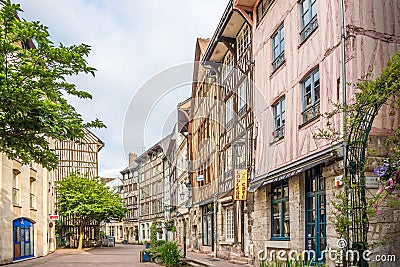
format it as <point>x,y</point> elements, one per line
<point>288,263</point>
<point>167,254</point>
<point>153,234</point>
<point>160,242</point>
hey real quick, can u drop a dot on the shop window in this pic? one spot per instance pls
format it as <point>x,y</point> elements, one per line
<point>280,210</point>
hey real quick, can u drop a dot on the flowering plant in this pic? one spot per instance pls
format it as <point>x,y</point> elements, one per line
<point>389,176</point>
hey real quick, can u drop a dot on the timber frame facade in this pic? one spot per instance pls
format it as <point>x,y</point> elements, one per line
<point>229,55</point>
<point>81,157</point>
<point>291,62</point>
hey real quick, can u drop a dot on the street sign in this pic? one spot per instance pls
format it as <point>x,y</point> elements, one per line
<point>371,182</point>
<point>200,178</point>
<point>240,189</point>
<point>53,217</point>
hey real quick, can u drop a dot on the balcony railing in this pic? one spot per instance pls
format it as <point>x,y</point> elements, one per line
<point>278,61</point>
<point>309,28</point>
<point>15,196</point>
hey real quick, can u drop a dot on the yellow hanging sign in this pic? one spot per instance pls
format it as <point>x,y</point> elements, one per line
<point>240,190</point>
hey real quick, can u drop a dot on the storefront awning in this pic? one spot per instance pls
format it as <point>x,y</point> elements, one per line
<point>290,170</point>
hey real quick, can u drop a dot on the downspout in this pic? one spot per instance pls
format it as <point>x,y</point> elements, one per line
<point>344,99</point>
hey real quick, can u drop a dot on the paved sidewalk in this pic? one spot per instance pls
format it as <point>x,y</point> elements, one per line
<point>210,261</point>
<point>118,256</point>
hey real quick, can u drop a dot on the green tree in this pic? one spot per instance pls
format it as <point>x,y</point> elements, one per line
<point>86,200</point>
<point>33,86</point>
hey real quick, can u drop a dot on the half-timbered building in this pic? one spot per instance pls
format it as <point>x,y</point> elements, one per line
<point>229,55</point>
<point>298,63</point>
<point>81,157</point>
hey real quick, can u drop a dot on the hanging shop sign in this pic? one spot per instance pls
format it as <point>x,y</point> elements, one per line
<point>240,189</point>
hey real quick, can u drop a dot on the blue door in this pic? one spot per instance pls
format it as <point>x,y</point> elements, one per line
<point>315,215</point>
<point>23,239</point>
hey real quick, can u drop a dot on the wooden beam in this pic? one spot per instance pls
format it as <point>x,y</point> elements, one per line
<point>229,43</point>
<point>244,13</point>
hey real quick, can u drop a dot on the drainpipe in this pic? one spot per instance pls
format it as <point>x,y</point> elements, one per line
<point>344,96</point>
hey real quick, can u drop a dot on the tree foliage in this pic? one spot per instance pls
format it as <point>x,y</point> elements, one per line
<point>33,86</point>
<point>86,200</point>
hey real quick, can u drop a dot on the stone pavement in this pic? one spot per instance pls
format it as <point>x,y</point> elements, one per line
<point>202,258</point>
<point>118,256</point>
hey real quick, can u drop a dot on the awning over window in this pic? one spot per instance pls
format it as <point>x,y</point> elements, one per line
<point>290,170</point>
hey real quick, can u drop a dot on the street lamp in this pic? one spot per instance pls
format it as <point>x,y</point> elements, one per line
<point>189,187</point>
<point>132,169</point>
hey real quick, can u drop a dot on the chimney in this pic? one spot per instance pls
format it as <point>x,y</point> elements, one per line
<point>132,157</point>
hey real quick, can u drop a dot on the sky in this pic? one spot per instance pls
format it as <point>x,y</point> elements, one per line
<point>137,46</point>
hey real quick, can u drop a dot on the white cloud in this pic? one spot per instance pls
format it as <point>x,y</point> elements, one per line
<point>131,41</point>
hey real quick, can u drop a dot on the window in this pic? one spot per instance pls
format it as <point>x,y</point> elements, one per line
<point>143,231</point>
<point>311,96</point>
<point>154,207</point>
<point>315,214</point>
<point>229,224</point>
<point>160,187</point>
<point>279,119</point>
<point>243,40</point>
<point>308,13</point>
<point>32,189</point>
<point>278,48</point>
<point>227,65</point>
<point>280,210</point>
<point>208,225</point>
<point>15,188</point>
<point>262,8</point>
<point>228,162</point>
<point>160,206</point>
<point>112,231</point>
<point>229,113</point>
<point>242,98</point>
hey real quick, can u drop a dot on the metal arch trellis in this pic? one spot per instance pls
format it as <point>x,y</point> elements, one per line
<point>355,188</point>
<point>379,92</point>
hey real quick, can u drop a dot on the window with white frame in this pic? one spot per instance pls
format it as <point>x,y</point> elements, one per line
<point>308,18</point>
<point>243,39</point>
<point>227,66</point>
<point>229,233</point>
<point>112,230</point>
<point>228,160</point>
<point>279,119</point>
<point>229,113</point>
<point>32,196</point>
<point>278,48</point>
<point>15,188</point>
<point>311,95</point>
<point>242,98</point>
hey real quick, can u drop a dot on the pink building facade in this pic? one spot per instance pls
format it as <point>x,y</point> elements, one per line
<point>297,77</point>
